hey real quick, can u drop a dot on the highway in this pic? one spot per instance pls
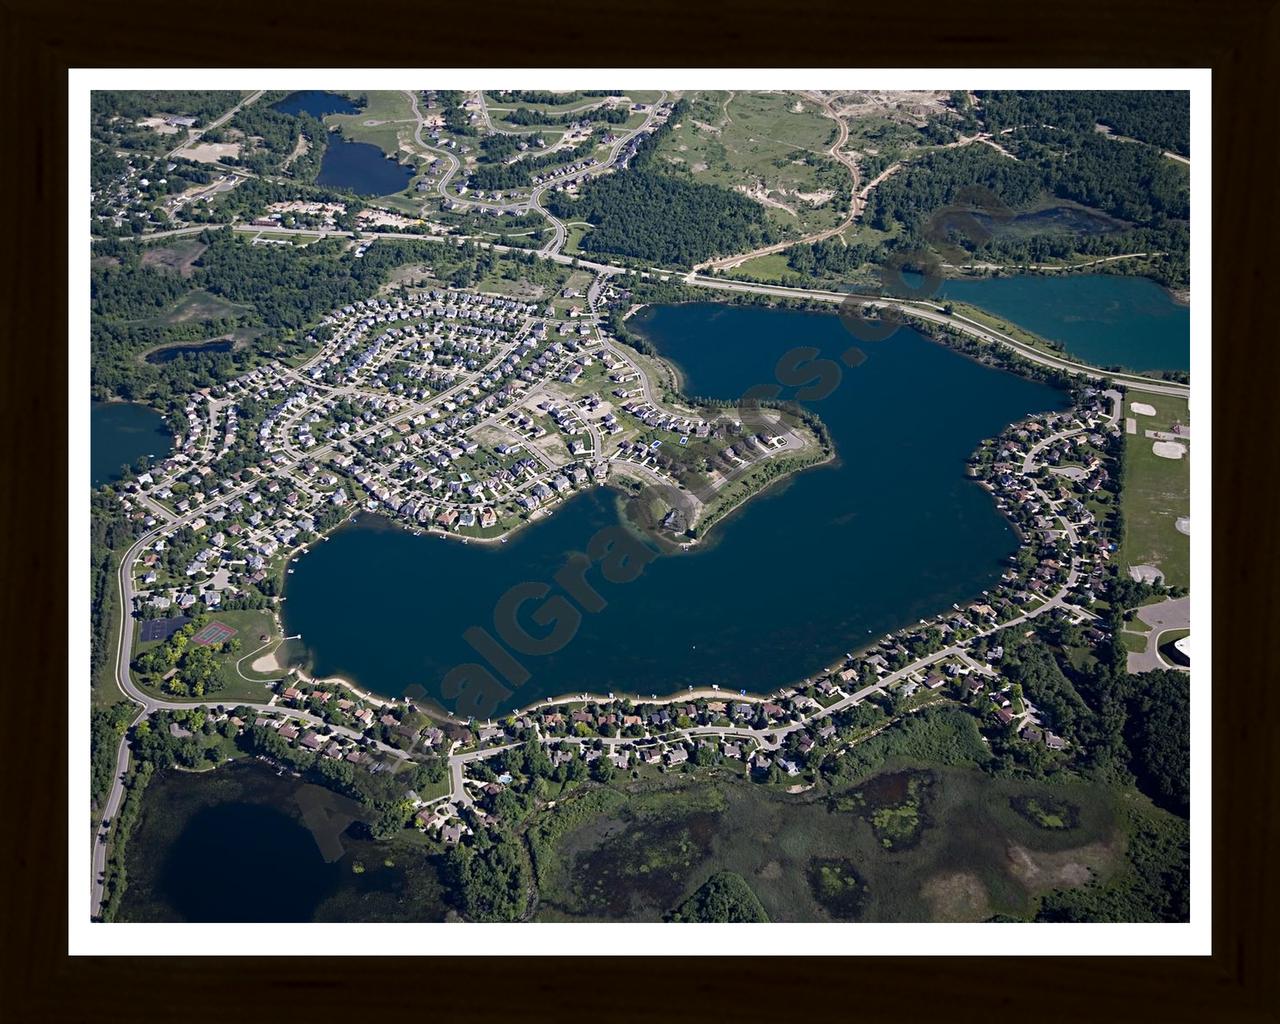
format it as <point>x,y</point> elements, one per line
<point>195,134</point>
<point>928,310</point>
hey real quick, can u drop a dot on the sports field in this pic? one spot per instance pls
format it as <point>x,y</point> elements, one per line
<point>1156,494</point>
<point>214,633</point>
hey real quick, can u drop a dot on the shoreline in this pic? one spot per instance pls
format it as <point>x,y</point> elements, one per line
<point>433,708</point>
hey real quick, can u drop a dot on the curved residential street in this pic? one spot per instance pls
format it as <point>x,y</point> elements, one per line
<point>1162,617</point>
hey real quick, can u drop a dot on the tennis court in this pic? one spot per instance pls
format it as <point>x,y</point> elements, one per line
<point>214,633</point>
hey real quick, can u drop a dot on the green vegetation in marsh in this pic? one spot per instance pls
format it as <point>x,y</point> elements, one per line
<point>722,898</point>
<point>837,887</point>
<point>1153,886</point>
<point>779,844</point>
<point>1047,813</point>
<point>1128,183</point>
<point>893,805</point>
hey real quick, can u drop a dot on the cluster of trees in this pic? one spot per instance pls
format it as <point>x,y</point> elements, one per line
<point>251,197</point>
<point>456,119</point>
<point>491,176</point>
<point>106,727</point>
<point>1156,886</point>
<point>656,215</point>
<point>133,104</point>
<point>194,667</point>
<point>1134,184</point>
<point>554,99</point>
<point>279,133</point>
<point>606,115</point>
<point>489,878</point>
<point>664,218</point>
<point>114,115</point>
<point>936,180</point>
<point>724,897</point>
<point>109,532</point>
<point>1125,728</point>
<point>1160,117</point>
<point>1030,663</point>
<point>831,258</point>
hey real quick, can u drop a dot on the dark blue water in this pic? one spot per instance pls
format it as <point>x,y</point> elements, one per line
<point>844,553</point>
<point>316,103</point>
<point>119,434</point>
<point>361,168</point>
<point>231,845</point>
<point>1102,319</point>
<point>168,355</point>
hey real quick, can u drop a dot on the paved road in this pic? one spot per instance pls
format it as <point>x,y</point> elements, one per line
<point>1175,613</point>
<point>857,199</point>
<point>935,313</point>
<point>195,134</point>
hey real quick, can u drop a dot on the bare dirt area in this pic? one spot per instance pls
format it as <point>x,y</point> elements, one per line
<point>957,896</point>
<point>179,257</point>
<point>1063,869</point>
<point>267,663</point>
<point>158,125</point>
<point>210,152</point>
<point>300,148</point>
<point>913,105</point>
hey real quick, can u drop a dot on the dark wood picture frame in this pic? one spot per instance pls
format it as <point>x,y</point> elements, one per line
<point>1237,39</point>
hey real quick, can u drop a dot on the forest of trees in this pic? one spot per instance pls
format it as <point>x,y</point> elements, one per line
<point>489,878</point>
<point>605,115</point>
<point>725,897</point>
<point>664,218</point>
<point>1161,117</point>
<point>1133,184</point>
<point>279,133</point>
<point>652,214</point>
<point>551,99</point>
<point>109,532</point>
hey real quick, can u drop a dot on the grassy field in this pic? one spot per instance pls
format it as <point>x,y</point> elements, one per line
<point>761,140</point>
<point>1155,493</point>
<point>576,232</point>
<point>772,268</point>
<point>198,305</point>
<point>178,256</point>
<point>249,626</point>
<point>387,122</point>
<point>906,845</point>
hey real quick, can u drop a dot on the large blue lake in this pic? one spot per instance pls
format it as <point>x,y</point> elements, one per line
<point>120,433</point>
<point>362,168</point>
<point>1103,319</point>
<point>843,553</point>
<point>316,103</point>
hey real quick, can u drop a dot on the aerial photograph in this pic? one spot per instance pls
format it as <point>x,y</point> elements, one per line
<point>637,505</point>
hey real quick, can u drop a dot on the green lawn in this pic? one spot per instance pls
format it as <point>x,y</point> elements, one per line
<point>249,626</point>
<point>771,268</point>
<point>1156,491</point>
<point>392,120</point>
<point>1133,642</point>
